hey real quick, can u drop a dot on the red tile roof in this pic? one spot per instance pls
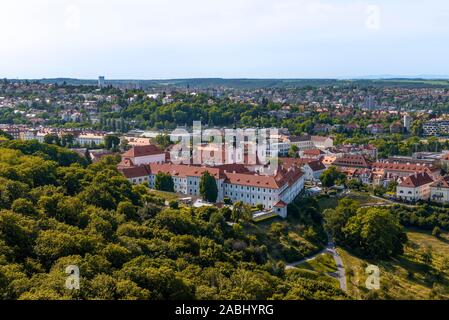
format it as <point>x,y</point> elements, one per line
<point>313,152</point>
<point>297,162</point>
<point>252,180</point>
<point>283,176</point>
<point>404,167</point>
<point>142,151</point>
<point>357,161</point>
<point>135,172</point>
<point>416,180</point>
<point>442,183</point>
<point>184,170</point>
<point>316,165</point>
<point>280,204</point>
<point>273,182</point>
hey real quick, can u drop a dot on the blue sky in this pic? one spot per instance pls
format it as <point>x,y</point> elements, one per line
<point>157,39</point>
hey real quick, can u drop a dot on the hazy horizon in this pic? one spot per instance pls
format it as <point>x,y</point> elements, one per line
<point>246,39</point>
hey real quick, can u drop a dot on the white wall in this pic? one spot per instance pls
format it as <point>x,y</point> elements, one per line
<point>158,158</point>
<point>439,194</point>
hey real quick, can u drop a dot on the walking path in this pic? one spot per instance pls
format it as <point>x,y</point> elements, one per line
<point>340,274</point>
<point>391,202</point>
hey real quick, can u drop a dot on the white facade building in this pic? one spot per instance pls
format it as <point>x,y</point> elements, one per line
<point>140,155</point>
<point>273,192</point>
<point>313,170</point>
<point>439,190</point>
<point>312,142</point>
<point>88,139</point>
<point>415,187</point>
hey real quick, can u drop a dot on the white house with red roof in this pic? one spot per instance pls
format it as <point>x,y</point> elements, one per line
<point>136,175</point>
<point>415,187</point>
<point>145,154</point>
<point>313,170</point>
<point>312,153</point>
<point>274,192</point>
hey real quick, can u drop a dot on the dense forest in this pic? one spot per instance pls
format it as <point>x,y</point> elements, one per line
<point>57,210</point>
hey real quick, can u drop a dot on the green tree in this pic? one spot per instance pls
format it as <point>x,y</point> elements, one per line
<point>24,206</point>
<point>52,139</point>
<point>128,210</point>
<point>163,141</point>
<point>241,211</point>
<point>67,140</point>
<point>336,219</point>
<point>164,182</point>
<point>375,233</point>
<point>111,142</point>
<point>330,176</point>
<point>208,187</point>
<point>293,151</point>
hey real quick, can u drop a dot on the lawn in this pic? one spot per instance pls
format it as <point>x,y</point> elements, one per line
<point>168,196</point>
<point>327,203</point>
<point>324,263</point>
<point>365,199</point>
<point>322,267</point>
<point>407,276</point>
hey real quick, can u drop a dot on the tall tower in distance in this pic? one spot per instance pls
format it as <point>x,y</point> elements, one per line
<point>407,122</point>
<point>101,82</point>
<point>370,104</point>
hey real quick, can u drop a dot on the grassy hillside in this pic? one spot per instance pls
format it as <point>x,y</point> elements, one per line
<point>414,275</point>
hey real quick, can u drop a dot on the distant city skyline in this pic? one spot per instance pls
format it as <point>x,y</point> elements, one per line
<point>173,39</point>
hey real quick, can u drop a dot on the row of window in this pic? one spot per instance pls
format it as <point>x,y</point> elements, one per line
<point>140,180</point>
<point>247,196</point>
<point>236,187</point>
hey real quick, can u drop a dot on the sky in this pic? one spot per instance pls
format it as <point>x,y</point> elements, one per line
<point>167,39</point>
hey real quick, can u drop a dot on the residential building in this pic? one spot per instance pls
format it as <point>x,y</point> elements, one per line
<point>273,192</point>
<point>397,170</point>
<point>351,161</point>
<point>375,128</point>
<point>145,154</point>
<point>312,154</point>
<point>313,170</point>
<point>439,190</point>
<point>87,139</point>
<point>396,127</point>
<point>415,187</point>
<point>436,128</point>
<point>312,142</point>
<point>136,174</point>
